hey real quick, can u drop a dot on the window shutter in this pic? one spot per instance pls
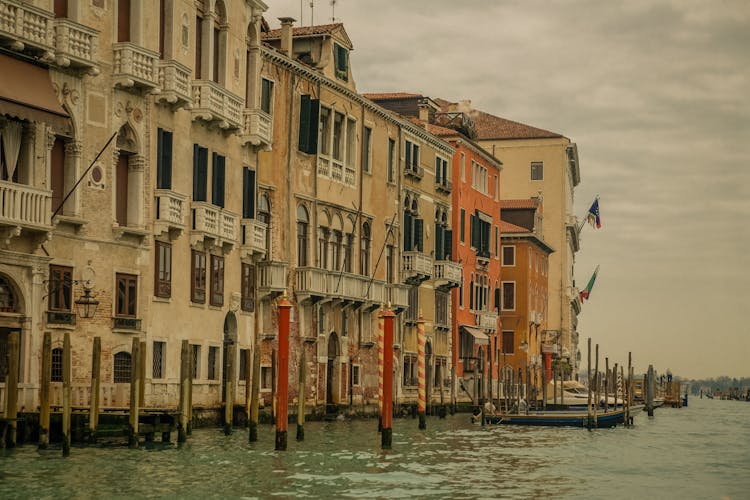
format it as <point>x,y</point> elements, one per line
<point>415,158</point>
<point>248,190</point>
<point>336,56</point>
<point>407,232</point>
<point>217,184</point>
<point>304,123</point>
<point>312,142</point>
<point>419,234</point>
<point>471,295</point>
<point>448,243</point>
<point>438,241</point>
<point>167,174</point>
<point>437,170</point>
<point>159,157</point>
<point>474,232</point>
<point>200,165</point>
<point>408,156</point>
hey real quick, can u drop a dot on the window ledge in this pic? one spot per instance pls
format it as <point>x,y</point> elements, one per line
<point>214,308</point>
<point>60,326</point>
<point>197,305</point>
<point>127,331</point>
<point>163,300</point>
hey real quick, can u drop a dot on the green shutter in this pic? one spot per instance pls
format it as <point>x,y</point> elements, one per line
<point>407,162</point>
<point>248,193</point>
<point>407,232</point>
<point>312,142</point>
<point>447,244</point>
<point>304,123</point>
<point>167,162</point>
<point>437,170</point>
<point>419,234</point>
<point>439,249</point>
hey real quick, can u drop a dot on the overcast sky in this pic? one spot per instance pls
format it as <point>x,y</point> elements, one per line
<point>655,94</point>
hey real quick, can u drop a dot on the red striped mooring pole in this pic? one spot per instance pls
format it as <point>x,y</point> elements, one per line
<point>282,380</point>
<point>421,403</point>
<point>386,415</point>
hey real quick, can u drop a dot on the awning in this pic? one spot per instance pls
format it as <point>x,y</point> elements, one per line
<point>26,92</point>
<point>479,336</point>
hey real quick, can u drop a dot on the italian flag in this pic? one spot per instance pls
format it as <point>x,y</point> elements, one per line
<point>587,291</point>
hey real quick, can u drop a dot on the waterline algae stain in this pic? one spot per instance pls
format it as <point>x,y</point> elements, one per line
<point>696,452</point>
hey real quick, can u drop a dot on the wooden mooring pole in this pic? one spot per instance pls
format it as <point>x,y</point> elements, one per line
<point>386,435</point>
<point>229,377</point>
<point>589,416</point>
<point>184,388</point>
<point>67,375</point>
<point>380,368</point>
<point>421,390</point>
<point>649,387</point>
<point>606,384</point>
<point>44,391</point>
<point>301,398</point>
<point>282,392</point>
<point>11,388</point>
<point>255,398</point>
<point>627,388</point>
<point>248,387</point>
<point>135,386</point>
<point>96,363</point>
<point>598,390</point>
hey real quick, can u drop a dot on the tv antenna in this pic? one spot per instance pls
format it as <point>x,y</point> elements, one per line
<point>333,11</point>
<point>312,12</point>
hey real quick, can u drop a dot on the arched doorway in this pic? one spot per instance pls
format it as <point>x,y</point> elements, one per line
<point>10,302</point>
<point>230,340</point>
<point>332,374</point>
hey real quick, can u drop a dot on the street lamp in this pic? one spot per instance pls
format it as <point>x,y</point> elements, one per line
<point>87,304</point>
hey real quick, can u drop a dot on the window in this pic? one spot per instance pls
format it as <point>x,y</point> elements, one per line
<point>122,368</point>
<point>365,248</point>
<point>441,171</point>
<point>462,223</point>
<point>60,8</point>
<point>200,173</point>
<point>159,359</point>
<point>390,255</point>
<point>480,234</point>
<point>366,149</point>
<point>412,157</point>
<point>196,360</point>
<point>336,244</point>
<point>508,342</point>
<point>57,364</point>
<point>537,171</point>
<point>198,43</point>
<point>412,313</point>
<point>441,308</point>
<point>198,277</point>
<point>497,241</point>
<point>217,281</point>
<point>122,189</point>
<point>265,378</point>
<point>355,375</point>
<point>413,227</point>
<point>348,243</point>
<point>60,288</point>
<point>57,173</point>
<point>496,305</point>
<point>341,62</point>
<point>497,189</point>
<point>338,136</point>
<point>264,216</point>
<point>461,293</point>
<point>463,167</point>
<point>248,288</point>
<point>213,355</point>
<point>303,222</point>
<point>509,255</point>
<point>163,159</point>
<point>266,95</point>
<point>163,269</point>
<point>217,180</point>
<point>391,152</point>
<point>123,20</point>
<point>248,193</point>
<point>323,248</point>
<point>325,131</point>
<point>308,124</point>
<point>479,177</point>
<point>127,296</point>
<point>509,295</point>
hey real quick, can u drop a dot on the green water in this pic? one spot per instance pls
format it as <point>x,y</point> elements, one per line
<point>702,451</point>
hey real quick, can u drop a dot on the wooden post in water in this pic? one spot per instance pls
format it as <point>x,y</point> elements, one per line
<point>229,378</point>
<point>554,388</point>
<point>255,397</point>
<point>282,392</point>
<point>301,398</point>
<point>598,398</point>
<point>184,387</point>
<point>628,389</point>
<point>380,368</point>
<point>142,375</point>
<point>96,364</point>
<point>11,388</point>
<point>518,389</point>
<point>421,404</point>
<point>616,384</point>
<point>431,385</point>
<point>44,391</point>
<point>386,435</point>
<point>453,389</point>
<point>606,384</point>
<point>274,381</point>
<point>67,375</point>
<point>589,417</point>
<point>135,385</point>
<point>191,369</point>
<point>562,385</point>
<point>248,385</point>
<point>442,389</point>
<point>649,387</point>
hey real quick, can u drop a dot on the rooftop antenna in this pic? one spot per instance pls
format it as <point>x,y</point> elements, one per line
<point>333,11</point>
<point>312,12</point>
<point>301,10</point>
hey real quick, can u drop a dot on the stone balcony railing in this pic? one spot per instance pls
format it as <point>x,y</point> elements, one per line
<point>25,207</point>
<point>258,128</point>
<point>28,28</point>
<point>214,223</point>
<point>397,295</point>
<point>447,273</point>
<point>174,81</point>
<point>135,66</point>
<point>214,103</point>
<point>171,209</point>
<point>76,45</point>
<point>375,292</point>
<point>444,186</point>
<point>252,238</point>
<point>417,266</point>
<point>312,283</point>
<point>487,321</point>
<point>271,278</point>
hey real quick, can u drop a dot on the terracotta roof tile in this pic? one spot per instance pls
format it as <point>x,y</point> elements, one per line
<point>522,203</point>
<point>508,228</point>
<point>385,96</point>
<point>442,131</point>
<point>304,30</point>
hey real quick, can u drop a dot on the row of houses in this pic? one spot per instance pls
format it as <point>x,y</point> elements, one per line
<point>170,168</point>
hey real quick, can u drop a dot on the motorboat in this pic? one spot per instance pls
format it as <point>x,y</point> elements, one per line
<point>576,395</point>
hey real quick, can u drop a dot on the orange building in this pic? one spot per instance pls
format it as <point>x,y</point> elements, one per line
<point>523,301</point>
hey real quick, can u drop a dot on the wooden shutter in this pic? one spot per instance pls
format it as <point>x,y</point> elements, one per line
<point>407,158</point>
<point>198,46</point>
<point>437,170</point>
<point>217,180</point>
<point>474,232</point>
<point>439,254</point>
<point>248,193</point>
<point>164,159</point>
<point>304,123</point>
<point>448,244</point>
<point>419,234</point>
<point>200,173</point>
<point>312,141</point>
<point>407,232</point>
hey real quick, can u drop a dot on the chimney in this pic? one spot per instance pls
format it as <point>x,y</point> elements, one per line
<point>424,111</point>
<point>286,35</point>
<point>464,105</point>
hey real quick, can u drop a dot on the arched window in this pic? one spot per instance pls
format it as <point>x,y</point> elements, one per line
<point>7,298</point>
<point>303,225</point>
<point>57,364</point>
<point>220,43</point>
<point>121,372</point>
<point>365,249</point>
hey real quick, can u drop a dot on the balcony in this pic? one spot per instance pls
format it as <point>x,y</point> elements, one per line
<point>23,207</point>
<point>210,222</point>
<point>170,212</point>
<point>487,321</point>
<point>271,278</point>
<point>311,283</point>
<point>28,28</point>
<point>214,103</point>
<point>76,46</point>
<point>414,171</point>
<point>398,296</point>
<point>174,81</point>
<point>123,323</point>
<point>483,258</point>
<point>252,238</point>
<point>447,274</point>
<point>444,186</point>
<point>375,292</point>
<point>135,67</point>
<point>417,267</point>
<point>61,318</point>
<point>258,129</point>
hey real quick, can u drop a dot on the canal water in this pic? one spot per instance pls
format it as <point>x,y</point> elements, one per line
<point>702,451</point>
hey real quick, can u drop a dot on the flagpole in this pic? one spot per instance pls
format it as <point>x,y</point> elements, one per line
<point>585,218</point>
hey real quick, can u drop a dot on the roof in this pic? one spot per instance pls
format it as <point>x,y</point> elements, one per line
<point>320,29</point>
<point>489,126</point>
<point>508,228</point>
<point>388,96</point>
<point>525,203</point>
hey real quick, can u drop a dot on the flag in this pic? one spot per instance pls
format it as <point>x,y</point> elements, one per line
<point>587,291</point>
<point>593,215</point>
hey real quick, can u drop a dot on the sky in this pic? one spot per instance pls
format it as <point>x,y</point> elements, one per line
<point>657,96</point>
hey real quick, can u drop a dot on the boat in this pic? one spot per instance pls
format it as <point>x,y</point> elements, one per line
<point>559,418</point>
<point>575,396</point>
